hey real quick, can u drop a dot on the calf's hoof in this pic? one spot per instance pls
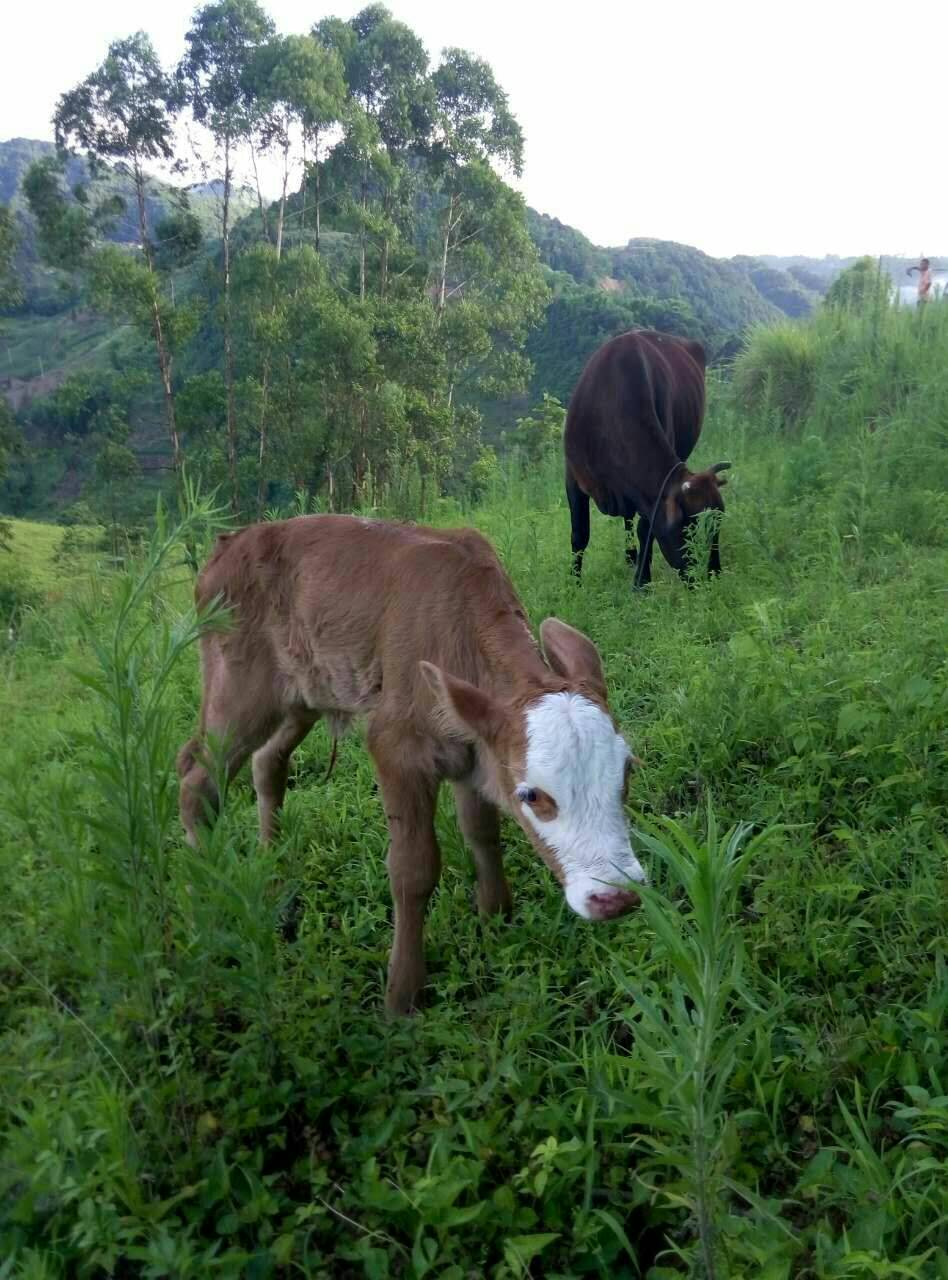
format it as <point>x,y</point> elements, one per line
<point>402,1002</point>
<point>495,904</point>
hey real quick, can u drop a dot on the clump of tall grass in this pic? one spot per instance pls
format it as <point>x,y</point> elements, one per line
<point>129,750</point>
<point>692,1027</point>
<point>776,376</point>
<point>844,369</point>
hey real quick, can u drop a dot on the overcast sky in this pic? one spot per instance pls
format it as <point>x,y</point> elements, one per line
<point>738,127</point>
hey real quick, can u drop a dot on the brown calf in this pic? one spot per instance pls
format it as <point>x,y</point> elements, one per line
<point>419,631</point>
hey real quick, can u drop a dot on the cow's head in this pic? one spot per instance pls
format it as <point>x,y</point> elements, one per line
<point>686,497</point>
<point>555,762</point>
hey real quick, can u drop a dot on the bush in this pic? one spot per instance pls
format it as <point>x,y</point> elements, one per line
<point>17,591</point>
<point>777,373</point>
<point>861,287</point>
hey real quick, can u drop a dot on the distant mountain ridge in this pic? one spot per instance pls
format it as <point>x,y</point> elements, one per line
<point>726,295</point>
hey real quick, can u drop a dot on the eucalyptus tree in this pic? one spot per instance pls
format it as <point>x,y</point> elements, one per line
<point>224,38</point>
<point>473,127</point>
<point>299,90</point>
<point>122,115</point>
<point>386,69</point>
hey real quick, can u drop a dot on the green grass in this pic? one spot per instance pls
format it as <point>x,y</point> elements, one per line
<point>746,1079</point>
<point>35,548</point>
<point>37,346</point>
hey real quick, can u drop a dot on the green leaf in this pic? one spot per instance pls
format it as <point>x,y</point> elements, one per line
<point>521,1250</point>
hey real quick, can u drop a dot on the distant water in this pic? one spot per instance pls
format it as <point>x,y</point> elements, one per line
<point>908,293</point>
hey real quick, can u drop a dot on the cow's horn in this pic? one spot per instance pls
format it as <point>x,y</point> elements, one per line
<point>720,466</point>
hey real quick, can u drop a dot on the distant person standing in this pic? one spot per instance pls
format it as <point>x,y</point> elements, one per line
<point>924,270</point>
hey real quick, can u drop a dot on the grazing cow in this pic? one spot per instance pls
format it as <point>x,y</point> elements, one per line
<point>633,421</point>
<point>420,632</point>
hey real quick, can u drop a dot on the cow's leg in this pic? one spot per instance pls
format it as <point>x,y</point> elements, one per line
<point>629,540</point>
<point>271,766</point>
<point>414,866</point>
<point>480,826</point>
<point>643,574</point>
<point>579,520</point>
<point>239,716</point>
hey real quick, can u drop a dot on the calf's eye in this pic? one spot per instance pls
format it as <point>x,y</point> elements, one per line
<point>544,806</point>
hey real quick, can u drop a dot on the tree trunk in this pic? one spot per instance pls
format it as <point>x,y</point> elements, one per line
<point>448,228</point>
<point>262,450</point>
<point>316,182</point>
<point>282,214</point>
<point>161,345</point>
<point>362,236</point>
<point>305,185</point>
<point>263,213</point>
<point>383,267</point>
<point>228,341</point>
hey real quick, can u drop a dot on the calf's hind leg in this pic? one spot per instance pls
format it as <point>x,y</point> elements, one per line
<point>480,826</point>
<point>271,766</point>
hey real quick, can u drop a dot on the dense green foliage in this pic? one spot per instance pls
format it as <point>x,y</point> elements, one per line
<point>565,249</point>
<point>10,287</point>
<point>783,289</point>
<point>863,285</point>
<point>794,374</point>
<point>580,319</point>
<point>378,196</point>
<point>720,294</point>
<point>49,292</point>
<point>348,372</point>
<point>748,1079</point>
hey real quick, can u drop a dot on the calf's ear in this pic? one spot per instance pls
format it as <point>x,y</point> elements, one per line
<point>572,655</point>
<point>463,710</point>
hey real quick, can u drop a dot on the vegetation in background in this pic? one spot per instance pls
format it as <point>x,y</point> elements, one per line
<point>427,317</point>
<point>860,286</point>
<point>745,1079</point>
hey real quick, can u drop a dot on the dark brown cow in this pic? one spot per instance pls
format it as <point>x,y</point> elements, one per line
<point>419,632</point>
<point>633,421</point>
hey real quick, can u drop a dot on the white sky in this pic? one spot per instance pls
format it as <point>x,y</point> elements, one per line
<point>737,127</point>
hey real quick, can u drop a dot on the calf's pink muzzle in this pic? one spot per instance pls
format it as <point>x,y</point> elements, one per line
<point>611,903</point>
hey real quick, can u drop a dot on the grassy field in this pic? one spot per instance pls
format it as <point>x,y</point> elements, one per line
<point>35,548</point>
<point>33,346</point>
<point>746,1079</point>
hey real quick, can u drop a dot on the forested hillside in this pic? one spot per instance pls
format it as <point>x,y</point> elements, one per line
<point>48,291</point>
<point>337,340</point>
<point>657,283</point>
<point>386,321</point>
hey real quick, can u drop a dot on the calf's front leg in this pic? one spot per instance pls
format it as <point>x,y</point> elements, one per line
<point>414,866</point>
<point>271,766</point>
<point>480,825</point>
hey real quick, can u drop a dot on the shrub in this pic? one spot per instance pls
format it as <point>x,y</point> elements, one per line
<point>777,373</point>
<point>17,591</point>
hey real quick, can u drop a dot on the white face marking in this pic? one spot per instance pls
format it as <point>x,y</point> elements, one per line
<point>575,755</point>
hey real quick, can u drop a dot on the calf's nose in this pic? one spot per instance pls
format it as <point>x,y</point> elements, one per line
<point>610,903</point>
